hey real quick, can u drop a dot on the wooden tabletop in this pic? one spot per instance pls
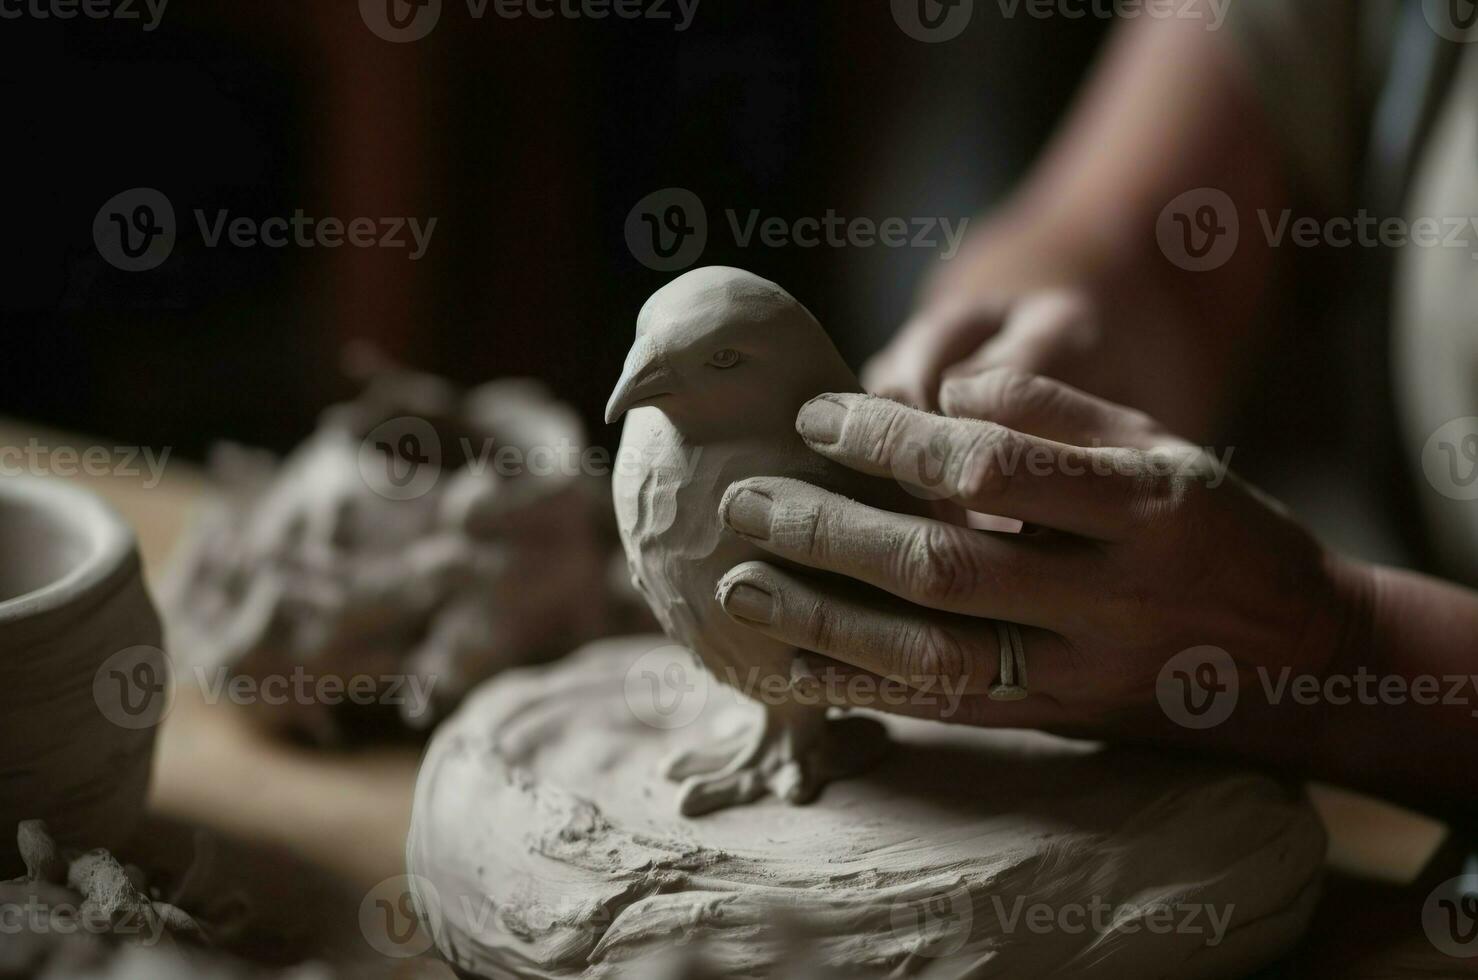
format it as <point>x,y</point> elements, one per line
<point>306,835</point>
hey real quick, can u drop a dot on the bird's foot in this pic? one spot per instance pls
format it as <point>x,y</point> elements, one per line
<point>789,756</point>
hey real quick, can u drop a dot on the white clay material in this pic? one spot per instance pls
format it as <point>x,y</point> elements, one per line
<point>546,844</point>
<point>722,362</point>
<point>316,566</point>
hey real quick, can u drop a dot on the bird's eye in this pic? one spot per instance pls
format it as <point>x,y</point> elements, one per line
<point>725,358</point>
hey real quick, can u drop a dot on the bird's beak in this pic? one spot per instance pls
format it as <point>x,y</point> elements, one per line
<point>644,379</point>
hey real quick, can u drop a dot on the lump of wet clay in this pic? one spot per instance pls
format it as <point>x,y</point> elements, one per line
<point>420,540</point>
<point>547,841</point>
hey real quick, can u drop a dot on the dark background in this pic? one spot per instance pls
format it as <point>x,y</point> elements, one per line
<point>529,141</point>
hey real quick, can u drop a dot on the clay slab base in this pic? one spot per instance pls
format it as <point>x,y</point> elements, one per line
<point>546,844</point>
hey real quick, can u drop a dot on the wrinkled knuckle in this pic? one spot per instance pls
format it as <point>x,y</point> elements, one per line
<point>1009,390</point>
<point>985,472</point>
<point>801,528</point>
<point>883,430</point>
<point>932,651</point>
<point>818,627</point>
<point>1156,496</point>
<point>938,568</point>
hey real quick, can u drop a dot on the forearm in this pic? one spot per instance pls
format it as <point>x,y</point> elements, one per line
<point>1408,682</point>
<point>1169,110</point>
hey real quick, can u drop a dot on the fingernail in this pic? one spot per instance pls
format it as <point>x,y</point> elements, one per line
<point>820,420</point>
<point>746,601</point>
<point>748,512</point>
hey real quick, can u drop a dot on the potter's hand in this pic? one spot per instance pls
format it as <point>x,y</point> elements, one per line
<point>1138,546</point>
<point>1050,332</point>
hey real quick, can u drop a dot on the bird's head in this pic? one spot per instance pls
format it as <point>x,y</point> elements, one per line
<point>722,345</point>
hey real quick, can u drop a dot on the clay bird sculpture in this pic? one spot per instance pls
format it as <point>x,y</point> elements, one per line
<point>722,362</point>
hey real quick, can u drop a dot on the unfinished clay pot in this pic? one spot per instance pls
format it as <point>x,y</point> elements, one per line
<point>80,664</point>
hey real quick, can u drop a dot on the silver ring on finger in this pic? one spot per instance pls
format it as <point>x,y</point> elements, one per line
<point>1011,684</point>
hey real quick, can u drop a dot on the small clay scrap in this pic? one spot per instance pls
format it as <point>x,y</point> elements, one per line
<point>420,540</point>
<point>72,904</point>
